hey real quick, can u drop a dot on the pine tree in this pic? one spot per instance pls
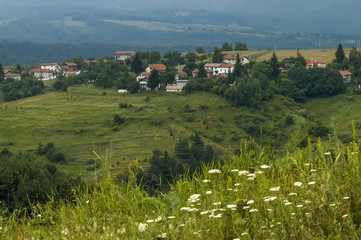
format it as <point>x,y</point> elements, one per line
<point>340,54</point>
<point>274,65</point>
<point>2,77</point>
<point>136,65</point>
<point>217,56</point>
<point>154,80</point>
<point>237,72</point>
<point>201,71</point>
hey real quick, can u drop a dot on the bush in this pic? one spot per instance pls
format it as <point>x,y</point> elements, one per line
<point>118,120</point>
<point>319,131</point>
<point>124,105</point>
<point>289,120</point>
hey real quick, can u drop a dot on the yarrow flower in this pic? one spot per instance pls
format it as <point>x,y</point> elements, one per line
<point>194,198</point>
<point>297,184</point>
<point>253,210</point>
<point>234,170</point>
<point>269,199</point>
<point>265,166</point>
<point>292,194</point>
<point>214,171</point>
<point>206,181</point>
<point>209,192</point>
<point>275,189</point>
<point>243,172</point>
<point>311,183</point>
<point>142,227</point>
<point>217,203</point>
<point>250,202</point>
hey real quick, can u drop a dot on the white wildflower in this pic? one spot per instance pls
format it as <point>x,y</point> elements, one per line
<point>259,172</point>
<point>87,202</point>
<point>237,184</point>
<point>345,198</point>
<point>292,194</point>
<point>313,170</point>
<point>209,192</point>
<point>171,217</point>
<point>269,199</point>
<point>230,189</point>
<point>251,175</point>
<point>288,203</point>
<point>142,227</point>
<point>162,235</point>
<point>327,153</point>
<point>231,206</point>
<point>293,214</point>
<point>311,183</point>
<point>206,181</point>
<point>308,201</point>
<point>194,198</point>
<point>244,234</point>
<point>265,166</point>
<point>346,215</point>
<point>217,203</point>
<point>275,189</point>
<point>253,210</point>
<point>297,184</point>
<point>250,178</point>
<point>234,170</point>
<point>185,208</point>
<point>250,202</point>
<point>150,221</point>
<point>158,219</point>
<point>243,172</point>
<point>246,207</point>
<point>306,164</point>
<point>204,212</point>
<point>214,171</point>
<point>299,206</point>
<point>332,204</point>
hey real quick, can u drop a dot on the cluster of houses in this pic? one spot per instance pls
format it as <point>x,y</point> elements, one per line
<point>49,71</point>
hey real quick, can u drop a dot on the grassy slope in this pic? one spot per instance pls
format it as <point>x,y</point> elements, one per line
<point>306,194</point>
<point>80,121</point>
<point>326,55</point>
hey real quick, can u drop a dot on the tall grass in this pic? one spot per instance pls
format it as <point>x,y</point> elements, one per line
<point>310,193</point>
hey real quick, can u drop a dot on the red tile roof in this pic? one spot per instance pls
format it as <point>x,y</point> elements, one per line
<point>41,70</point>
<point>182,73</point>
<point>11,75</point>
<point>212,64</point>
<point>226,66</point>
<point>344,73</point>
<point>145,74</point>
<point>124,52</point>
<point>159,67</point>
<point>315,62</point>
<point>71,64</point>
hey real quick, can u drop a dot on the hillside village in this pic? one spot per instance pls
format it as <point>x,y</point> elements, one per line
<point>224,72</point>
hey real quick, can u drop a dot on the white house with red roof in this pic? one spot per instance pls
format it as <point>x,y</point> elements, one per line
<point>12,75</point>
<point>346,75</point>
<point>51,66</point>
<point>43,74</point>
<point>159,67</point>
<point>123,55</point>
<point>233,59</point>
<point>69,66</point>
<point>219,68</point>
<point>315,63</point>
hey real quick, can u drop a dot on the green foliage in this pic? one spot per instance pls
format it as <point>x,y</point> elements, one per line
<point>17,89</point>
<point>136,64</point>
<point>200,49</point>
<point>24,182</point>
<point>317,82</point>
<point>217,56</point>
<point>154,80</point>
<point>227,46</point>
<point>118,120</point>
<point>319,131</point>
<point>1,73</point>
<point>289,120</point>
<point>340,54</point>
<point>239,46</point>
<point>261,68</point>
